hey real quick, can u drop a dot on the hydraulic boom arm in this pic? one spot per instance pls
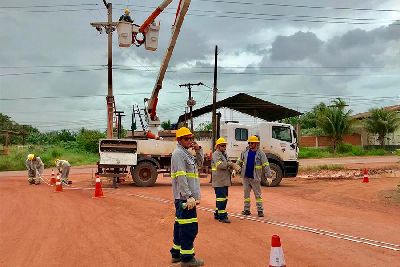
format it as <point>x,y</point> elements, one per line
<point>180,15</point>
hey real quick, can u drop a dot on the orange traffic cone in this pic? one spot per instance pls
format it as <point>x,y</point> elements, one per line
<point>59,184</point>
<point>276,258</point>
<point>98,192</point>
<point>53,178</point>
<point>365,179</point>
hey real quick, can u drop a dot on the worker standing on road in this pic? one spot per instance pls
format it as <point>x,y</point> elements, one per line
<point>126,17</point>
<point>63,167</point>
<point>254,164</point>
<point>35,168</point>
<point>221,169</point>
<point>186,190</point>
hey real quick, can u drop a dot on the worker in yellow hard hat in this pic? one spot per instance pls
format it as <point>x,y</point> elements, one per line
<point>63,167</point>
<point>35,168</point>
<point>186,190</point>
<point>126,17</point>
<point>221,168</point>
<point>254,165</point>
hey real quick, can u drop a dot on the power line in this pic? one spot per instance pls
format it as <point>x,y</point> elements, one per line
<point>300,6</point>
<point>276,17</point>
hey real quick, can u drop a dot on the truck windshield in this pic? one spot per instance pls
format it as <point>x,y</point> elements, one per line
<point>282,133</point>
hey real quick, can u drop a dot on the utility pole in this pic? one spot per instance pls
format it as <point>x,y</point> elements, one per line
<point>109,28</point>
<point>191,102</point>
<point>214,104</point>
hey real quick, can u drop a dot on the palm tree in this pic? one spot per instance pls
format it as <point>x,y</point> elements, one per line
<point>335,121</point>
<point>382,122</point>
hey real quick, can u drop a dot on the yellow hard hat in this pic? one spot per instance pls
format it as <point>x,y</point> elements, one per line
<point>183,131</point>
<point>253,139</point>
<point>55,162</point>
<point>220,141</point>
<point>126,11</point>
<point>31,156</point>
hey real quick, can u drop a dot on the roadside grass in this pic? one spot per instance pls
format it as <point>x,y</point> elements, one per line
<point>330,167</point>
<point>344,150</point>
<point>16,159</point>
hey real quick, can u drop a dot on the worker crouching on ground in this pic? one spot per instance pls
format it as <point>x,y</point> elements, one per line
<point>35,168</point>
<point>254,164</point>
<point>186,190</point>
<point>63,167</point>
<point>221,169</point>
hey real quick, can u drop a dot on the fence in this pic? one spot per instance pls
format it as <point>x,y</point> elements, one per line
<point>325,141</point>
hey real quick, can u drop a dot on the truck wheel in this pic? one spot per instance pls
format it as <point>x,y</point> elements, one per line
<point>277,175</point>
<point>144,174</point>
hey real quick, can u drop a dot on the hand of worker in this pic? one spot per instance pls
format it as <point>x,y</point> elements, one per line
<point>190,203</point>
<point>236,167</point>
<point>195,146</point>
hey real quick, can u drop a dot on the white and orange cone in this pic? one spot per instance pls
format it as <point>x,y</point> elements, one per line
<point>365,179</point>
<point>98,191</point>
<point>59,184</point>
<point>276,258</point>
<point>53,178</point>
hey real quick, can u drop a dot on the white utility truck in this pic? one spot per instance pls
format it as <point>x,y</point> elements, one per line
<point>145,158</point>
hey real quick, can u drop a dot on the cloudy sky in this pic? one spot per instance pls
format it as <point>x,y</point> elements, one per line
<point>53,71</point>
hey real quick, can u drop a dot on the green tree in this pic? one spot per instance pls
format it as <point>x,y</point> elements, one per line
<point>382,122</point>
<point>204,127</point>
<point>335,121</point>
<point>166,125</point>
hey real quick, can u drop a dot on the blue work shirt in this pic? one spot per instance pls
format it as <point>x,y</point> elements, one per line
<point>251,156</point>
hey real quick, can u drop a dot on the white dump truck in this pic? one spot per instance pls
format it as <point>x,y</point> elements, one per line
<point>146,158</point>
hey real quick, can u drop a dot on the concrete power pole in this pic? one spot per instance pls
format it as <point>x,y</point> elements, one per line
<point>214,104</point>
<point>109,28</point>
<point>191,102</point>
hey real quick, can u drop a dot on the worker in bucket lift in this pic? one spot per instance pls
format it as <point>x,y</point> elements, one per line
<point>222,170</point>
<point>35,168</point>
<point>63,168</point>
<point>186,190</point>
<point>126,17</point>
<point>254,165</point>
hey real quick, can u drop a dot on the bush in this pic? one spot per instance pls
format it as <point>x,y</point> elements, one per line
<point>17,157</point>
<point>89,140</point>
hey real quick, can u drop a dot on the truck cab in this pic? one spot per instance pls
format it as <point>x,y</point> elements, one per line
<point>277,140</point>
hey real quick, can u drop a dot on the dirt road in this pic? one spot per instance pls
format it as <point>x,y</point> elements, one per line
<point>132,226</point>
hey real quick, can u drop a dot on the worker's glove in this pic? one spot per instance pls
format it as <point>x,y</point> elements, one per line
<point>190,203</point>
<point>268,172</point>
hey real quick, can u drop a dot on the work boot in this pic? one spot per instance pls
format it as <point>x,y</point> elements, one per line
<point>260,214</point>
<point>175,260</point>
<point>37,183</point>
<point>192,263</point>
<point>225,220</point>
<point>216,215</point>
<point>246,212</point>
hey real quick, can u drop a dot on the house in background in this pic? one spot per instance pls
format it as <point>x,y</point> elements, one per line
<point>372,139</point>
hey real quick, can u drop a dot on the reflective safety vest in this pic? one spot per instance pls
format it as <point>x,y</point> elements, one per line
<point>184,173</point>
<point>221,173</point>
<point>261,164</point>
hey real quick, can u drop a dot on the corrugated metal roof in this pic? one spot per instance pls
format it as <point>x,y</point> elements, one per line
<point>249,105</point>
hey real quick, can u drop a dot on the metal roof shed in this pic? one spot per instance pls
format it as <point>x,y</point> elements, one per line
<point>249,105</point>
